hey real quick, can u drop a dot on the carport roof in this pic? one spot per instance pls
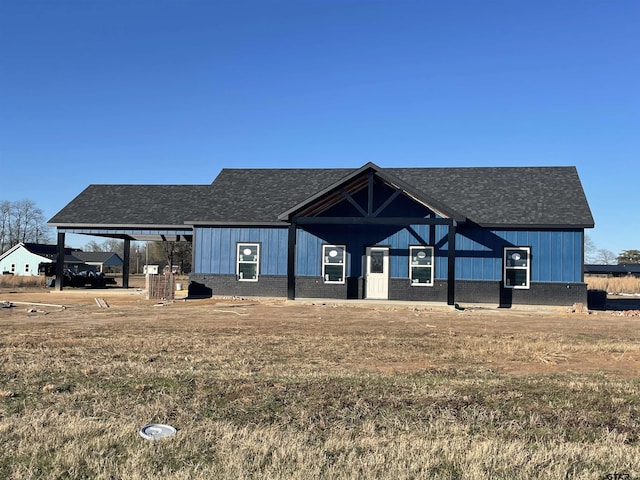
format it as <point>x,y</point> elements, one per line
<point>134,206</point>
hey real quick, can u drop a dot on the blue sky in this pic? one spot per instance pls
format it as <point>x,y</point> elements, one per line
<point>171,91</point>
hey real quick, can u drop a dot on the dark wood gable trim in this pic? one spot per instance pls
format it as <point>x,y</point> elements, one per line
<point>387,202</point>
<point>372,221</point>
<point>370,198</point>
<point>357,206</point>
<point>356,181</point>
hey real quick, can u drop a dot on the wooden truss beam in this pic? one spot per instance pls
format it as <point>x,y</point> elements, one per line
<point>371,221</point>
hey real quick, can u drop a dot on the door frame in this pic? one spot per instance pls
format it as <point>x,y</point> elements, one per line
<point>385,275</point>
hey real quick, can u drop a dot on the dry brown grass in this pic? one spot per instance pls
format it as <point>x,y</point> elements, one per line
<point>9,281</point>
<point>278,391</point>
<point>614,285</point>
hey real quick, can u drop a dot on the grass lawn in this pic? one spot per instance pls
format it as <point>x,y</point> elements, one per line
<point>278,390</point>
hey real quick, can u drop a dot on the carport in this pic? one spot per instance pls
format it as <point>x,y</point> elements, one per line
<point>126,234</point>
<point>154,213</point>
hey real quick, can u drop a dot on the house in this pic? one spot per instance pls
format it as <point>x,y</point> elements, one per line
<point>620,270</point>
<point>35,258</point>
<point>505,235</point>
<point>31,258</point>
<point>103,262</point>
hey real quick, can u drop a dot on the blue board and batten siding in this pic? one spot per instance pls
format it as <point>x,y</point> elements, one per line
<point>556,255</point>
<point>215,249</point>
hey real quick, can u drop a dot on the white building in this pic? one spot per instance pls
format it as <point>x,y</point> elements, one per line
<point>26,258</point>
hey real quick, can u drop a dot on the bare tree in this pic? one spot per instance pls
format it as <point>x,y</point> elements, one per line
<point>93,246</point>
<point>21,221</point>
<point>593,254</point>
<point>5,221</point>
<point>606,257</point>
<point>590,250</point>
<point>175,253</point>
<point>109,245</point>
<point>116,245</point>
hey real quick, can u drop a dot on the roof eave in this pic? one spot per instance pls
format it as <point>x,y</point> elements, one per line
<point>554,226</point>
<point>236,223</point>
<point>94,226</point>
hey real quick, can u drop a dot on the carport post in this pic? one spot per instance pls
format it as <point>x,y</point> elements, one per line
<point>60,261</point>
<point>125,264</point>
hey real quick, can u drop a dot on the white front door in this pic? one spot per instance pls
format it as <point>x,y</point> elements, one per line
<point>377,274</point>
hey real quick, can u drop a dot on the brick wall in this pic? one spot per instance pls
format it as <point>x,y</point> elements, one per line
<point>228,285</point>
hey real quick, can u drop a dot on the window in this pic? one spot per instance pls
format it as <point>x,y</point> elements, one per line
<point>377,261</point>
<point>248,262</point>
<point>421,266</point>
<point>13,268</point>
<point>333,263</point>
<point>517,267</point>
<point>26,268</point>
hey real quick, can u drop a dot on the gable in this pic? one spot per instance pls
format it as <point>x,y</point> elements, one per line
<point>369,192</point>
<point>386,202</point>
<point>20,251</point>
<point>34,250</point>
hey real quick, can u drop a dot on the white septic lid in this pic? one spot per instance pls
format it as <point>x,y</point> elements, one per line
<point>156,431</point>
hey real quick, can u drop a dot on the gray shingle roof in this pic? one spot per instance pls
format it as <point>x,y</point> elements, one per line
<point>262,194</point>
<point>110,258</point>
<point>488,196</point>
<point>134,205</point>
<point>47,251</point>
<point>495,196</point>
<point>620,269</point>
<point>51,252</point>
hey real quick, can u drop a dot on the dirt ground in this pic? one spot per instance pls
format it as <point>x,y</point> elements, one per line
<point>520,341</point>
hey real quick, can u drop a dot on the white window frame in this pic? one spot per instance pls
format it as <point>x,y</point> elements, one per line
<point>511,264</point>
<point>26,268</point>
<point>254,260</point>
<point>416,262</point>
<point>327,261</point>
